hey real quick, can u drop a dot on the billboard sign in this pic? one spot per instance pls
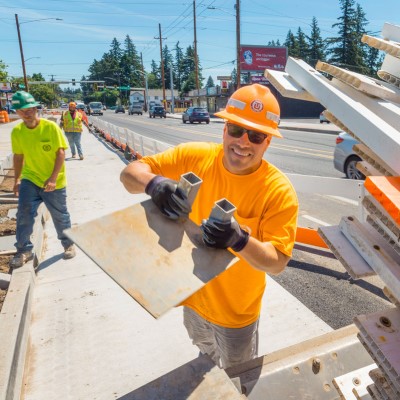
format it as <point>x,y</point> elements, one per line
<point>5,87</point>
<point>224,78</point>
<point>259,79</point>
<point>260,58</point>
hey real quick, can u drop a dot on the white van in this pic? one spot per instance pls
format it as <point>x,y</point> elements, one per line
<point>135,108</point>
<point>95,108</point>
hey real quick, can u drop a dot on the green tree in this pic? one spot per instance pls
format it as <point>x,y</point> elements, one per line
<point>178,66</point>
<point>302,44</point>
<point>292,45</point>
<point>190,83</point>
<point>168,62</point>
<point>210,82</point>
<point>3,71</point>
<point>272,43</point>
<point>43,93</point>
<point>154,78</point>
<point>360,48</point>
<point>234,76</point>
<point>373,61</point>
<point>37,77</point>
<point>152,81</point>
<point>188,71</point>
<point>130,64</point>
<point>346,49</point>
<point>316,44</point>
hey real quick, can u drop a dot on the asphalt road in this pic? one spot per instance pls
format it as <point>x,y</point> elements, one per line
<point>315,277</point>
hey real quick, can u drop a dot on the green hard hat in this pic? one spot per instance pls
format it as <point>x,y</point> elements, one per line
<point>22,100</point>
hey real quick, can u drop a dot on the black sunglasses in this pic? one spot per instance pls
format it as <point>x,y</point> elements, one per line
<point>237,132</point>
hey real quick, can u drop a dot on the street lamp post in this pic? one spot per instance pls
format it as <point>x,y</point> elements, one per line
<point>146,97</point>
<point>20,45</point>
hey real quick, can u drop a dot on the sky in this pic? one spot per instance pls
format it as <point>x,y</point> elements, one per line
<point>63,50</point>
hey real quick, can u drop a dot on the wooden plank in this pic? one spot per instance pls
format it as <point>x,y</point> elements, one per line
<point>371,86</point>
<point>367,169</point>
<point>374,207</point>
<point>387,46</point>
<point>351,260</point>
<point>373,159</point>
<point>375,251</point>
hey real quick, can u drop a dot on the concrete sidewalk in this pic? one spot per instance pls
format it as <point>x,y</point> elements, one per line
<point>88,339</point>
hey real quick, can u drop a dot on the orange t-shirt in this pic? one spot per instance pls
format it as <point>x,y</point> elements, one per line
<point>265,201</point>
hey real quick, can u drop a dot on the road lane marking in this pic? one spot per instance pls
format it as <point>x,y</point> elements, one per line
<point>318,221</point>
<point>345,200</point>
<point>309,152</point>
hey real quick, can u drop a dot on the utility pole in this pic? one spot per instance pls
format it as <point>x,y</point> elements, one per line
<point>238,43</point>
<point>196,64</point>
<point>145,83</point>
<point>172,88</point>
<point>22,54</point>
<point>162,65</point>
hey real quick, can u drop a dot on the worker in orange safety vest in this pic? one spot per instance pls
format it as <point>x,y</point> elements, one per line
<point>71,122</point>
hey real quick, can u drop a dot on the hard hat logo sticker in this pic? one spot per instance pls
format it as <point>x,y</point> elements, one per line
<point>256,106</point>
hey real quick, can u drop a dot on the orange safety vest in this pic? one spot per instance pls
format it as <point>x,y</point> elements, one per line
<point>4,117</point>
<point>72,125</point>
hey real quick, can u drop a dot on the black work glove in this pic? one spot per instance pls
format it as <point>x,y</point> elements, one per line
<point>169,199</point>
<point>222,235</point>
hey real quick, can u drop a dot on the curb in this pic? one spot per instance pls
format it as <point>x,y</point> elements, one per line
<point>15,316</point>
<point>307,129</point>
<point>14,321</point>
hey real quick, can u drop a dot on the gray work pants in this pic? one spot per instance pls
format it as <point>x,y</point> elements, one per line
<point>226,346</point>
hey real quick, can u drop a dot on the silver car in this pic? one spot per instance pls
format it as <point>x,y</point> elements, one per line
<point>344,158</point>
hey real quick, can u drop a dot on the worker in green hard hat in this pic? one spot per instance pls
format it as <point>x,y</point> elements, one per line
<point>38,147</point>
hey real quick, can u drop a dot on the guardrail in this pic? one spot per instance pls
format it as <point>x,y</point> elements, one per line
<point>126,140</point>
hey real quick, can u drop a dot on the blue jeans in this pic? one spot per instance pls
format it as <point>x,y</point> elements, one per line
<point>74,139</point>
<point>30,198</point>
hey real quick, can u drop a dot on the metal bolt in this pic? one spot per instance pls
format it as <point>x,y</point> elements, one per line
<point>356,381</point>
<point>316,365</point>
<point>385,322</point>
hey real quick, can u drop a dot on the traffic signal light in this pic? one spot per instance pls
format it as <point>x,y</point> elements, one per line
<point>95,86</point>
<point>73,82</point>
